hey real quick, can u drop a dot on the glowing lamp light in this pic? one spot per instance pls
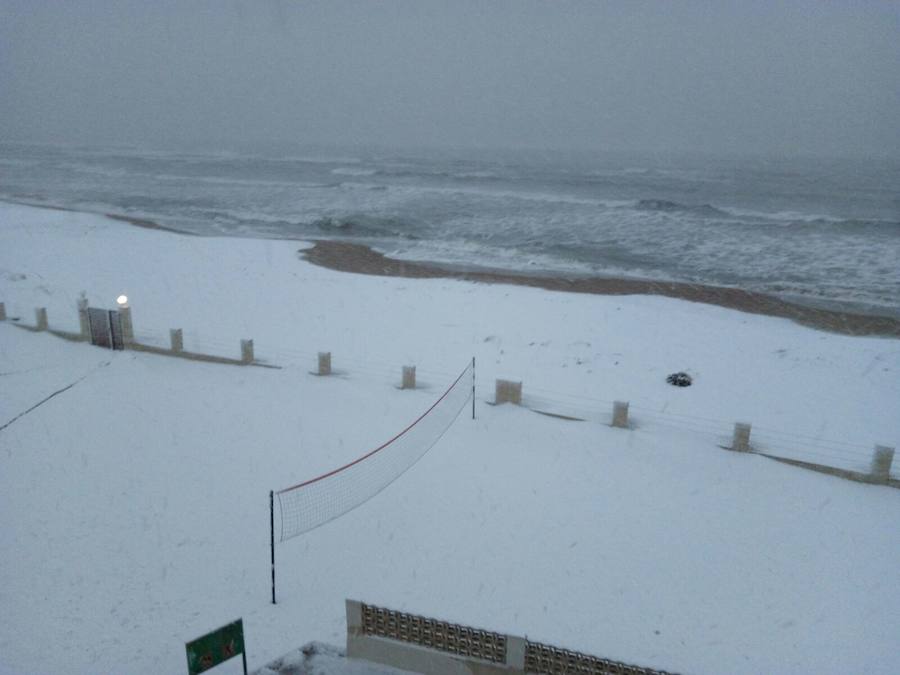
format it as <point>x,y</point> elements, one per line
<point>122,300</point>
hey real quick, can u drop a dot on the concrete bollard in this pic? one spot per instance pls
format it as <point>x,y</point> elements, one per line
<point>127,326</point>
<point>324,363</point>
<point>507,391</point>
<point>176,337</point>
<point>247,351</point>
<point>881,464</point>
<point>620,414</point>
<point>40,317</point>
<point>741,440</point>
<point>84,324</point>
<point>409,377</point>
<point>2,311</point>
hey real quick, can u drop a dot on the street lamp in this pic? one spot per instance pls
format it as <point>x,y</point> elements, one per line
<point>125,317</point>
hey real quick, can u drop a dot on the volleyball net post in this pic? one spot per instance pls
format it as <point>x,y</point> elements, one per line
<point>272,537</point>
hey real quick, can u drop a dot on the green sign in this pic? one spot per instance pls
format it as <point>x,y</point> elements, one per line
<point>216,647</point>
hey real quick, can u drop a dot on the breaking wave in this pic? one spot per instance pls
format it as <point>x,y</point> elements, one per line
<point>348,171</point>
<point>667,206</point>
<point>781,218</point>
<point>361,225</point>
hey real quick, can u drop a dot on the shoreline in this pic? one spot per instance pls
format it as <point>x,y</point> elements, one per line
<point>131,220</point>
<point>345,256</point>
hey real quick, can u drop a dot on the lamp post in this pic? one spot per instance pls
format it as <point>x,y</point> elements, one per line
<point>125,316</point>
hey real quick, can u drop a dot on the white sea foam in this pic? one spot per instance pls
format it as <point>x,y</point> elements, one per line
<point>318,159</point>
<point>349,171</point>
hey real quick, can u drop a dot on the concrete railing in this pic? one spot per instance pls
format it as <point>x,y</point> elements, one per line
<point>425,645</point>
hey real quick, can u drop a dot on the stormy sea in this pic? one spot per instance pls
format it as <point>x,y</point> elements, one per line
<point>823,232</point>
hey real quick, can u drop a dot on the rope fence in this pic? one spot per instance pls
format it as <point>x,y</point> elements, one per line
<point>839,454</point>
<point>834,453</point>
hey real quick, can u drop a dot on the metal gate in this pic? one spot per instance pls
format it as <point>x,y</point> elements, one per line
<point>106,328</point>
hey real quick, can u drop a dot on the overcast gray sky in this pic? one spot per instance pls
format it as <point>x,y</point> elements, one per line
<point>732,77</point>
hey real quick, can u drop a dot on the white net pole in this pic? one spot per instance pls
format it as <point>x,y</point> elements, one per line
<point>315,502</point>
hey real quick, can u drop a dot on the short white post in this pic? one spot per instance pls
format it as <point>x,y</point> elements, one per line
<point>741,440</point>
<point>84,324</point>
<point>324,363</point>
<point>507,391</point>
<point>176,337</point>
<point>2,311</point>
<point>247,351</point>
<point>127,326</point>
<point>409,377</point>
<point>40,316</point>
<point>620,414</point>
<point>881,463</point>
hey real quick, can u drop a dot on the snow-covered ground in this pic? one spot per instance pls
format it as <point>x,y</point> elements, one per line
<point>322,659</point>
<point>134,505</point>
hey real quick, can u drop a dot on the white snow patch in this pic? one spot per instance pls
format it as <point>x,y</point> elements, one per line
<point>135,505</point>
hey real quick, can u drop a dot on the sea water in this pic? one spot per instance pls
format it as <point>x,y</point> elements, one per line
<point>821,231</point>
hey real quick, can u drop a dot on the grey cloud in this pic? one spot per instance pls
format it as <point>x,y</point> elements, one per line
<point>774,77</point>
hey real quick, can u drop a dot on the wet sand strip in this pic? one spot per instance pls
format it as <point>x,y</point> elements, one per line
<point>351,257</point>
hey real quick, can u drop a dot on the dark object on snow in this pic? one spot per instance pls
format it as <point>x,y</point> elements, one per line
<point>679,379</point>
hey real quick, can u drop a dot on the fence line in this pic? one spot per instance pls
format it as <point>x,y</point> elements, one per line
<point>839,454</point>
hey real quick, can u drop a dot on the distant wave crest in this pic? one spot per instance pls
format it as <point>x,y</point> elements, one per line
<point>365,226</point>
<point>666,206</point>
<point>349,171</point>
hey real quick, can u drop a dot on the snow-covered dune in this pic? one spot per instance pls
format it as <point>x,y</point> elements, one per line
<point>134,505</point>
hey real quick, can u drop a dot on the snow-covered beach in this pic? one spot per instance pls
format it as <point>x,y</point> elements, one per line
<point>135,504</point>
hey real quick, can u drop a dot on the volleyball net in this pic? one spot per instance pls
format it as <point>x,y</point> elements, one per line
<point>314,502</point>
